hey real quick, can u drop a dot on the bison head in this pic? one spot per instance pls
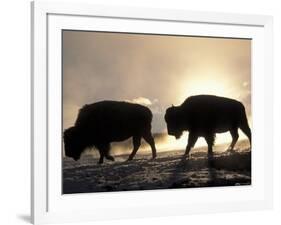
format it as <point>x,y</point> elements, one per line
<point>73,143</point>
<point>174,121</point>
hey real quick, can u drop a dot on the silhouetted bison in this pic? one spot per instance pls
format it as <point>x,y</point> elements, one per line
<point>101,123</point>
<point>206,115</point>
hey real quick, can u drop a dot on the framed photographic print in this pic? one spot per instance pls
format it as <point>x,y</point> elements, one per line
<point>149,112</point>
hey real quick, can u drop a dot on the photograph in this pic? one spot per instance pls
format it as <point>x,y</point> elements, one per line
<point>144,111</point>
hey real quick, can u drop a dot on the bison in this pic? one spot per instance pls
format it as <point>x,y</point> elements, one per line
<point>206,115</point>
<point>101,123</point>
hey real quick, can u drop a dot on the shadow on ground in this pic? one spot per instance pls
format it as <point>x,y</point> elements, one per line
<point>169,170</point>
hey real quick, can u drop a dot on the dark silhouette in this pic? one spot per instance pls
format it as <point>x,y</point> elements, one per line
<point>206,115</point>
<point>101,123</point>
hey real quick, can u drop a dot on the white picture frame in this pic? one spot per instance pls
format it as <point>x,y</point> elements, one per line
<point>47,204</point>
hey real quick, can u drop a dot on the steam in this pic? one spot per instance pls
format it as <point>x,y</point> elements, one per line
<point>141,101</point>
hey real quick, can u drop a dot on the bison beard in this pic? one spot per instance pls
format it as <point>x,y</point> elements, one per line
<point>206,115</point>
<point>101,123</point>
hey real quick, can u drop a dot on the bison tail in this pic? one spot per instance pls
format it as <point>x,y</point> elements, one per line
<point>244,125</point>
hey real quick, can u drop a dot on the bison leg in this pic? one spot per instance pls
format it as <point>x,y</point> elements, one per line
<point>104,152</point>
<point>150,140</point>
<point>136,143</point>
<point>192,138</point>
<point>210,139</point>
<point>235,136</point>
<point>101,157</point>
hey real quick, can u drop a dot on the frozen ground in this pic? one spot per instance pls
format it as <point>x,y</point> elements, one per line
<point>169,170</point>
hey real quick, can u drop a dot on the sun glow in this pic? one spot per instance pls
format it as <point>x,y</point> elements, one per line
<point>171,143</point>
<point>213,84</point>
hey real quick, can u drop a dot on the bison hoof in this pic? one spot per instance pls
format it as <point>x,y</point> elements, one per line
<point>100,162</point>
<point>110,158</point>
<point>129,159</point>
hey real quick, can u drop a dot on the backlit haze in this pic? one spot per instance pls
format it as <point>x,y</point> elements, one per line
<point>153,70</point>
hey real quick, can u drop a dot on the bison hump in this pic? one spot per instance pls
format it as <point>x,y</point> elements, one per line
<point>106,111</point>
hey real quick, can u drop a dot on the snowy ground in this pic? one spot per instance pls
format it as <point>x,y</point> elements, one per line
<point>169,170</point>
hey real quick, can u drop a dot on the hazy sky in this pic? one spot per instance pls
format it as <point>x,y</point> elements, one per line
<point>153,70</point>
